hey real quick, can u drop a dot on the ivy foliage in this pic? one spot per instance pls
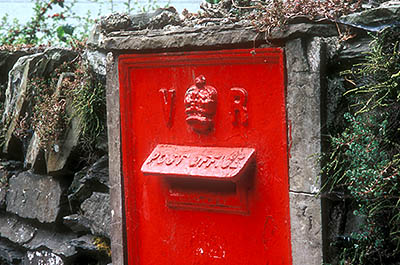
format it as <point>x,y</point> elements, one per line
<point>364,159</point>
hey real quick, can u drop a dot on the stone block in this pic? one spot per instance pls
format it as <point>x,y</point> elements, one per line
<point>97,209</point>
<point>34,196</point>
<point>88,180</point>
<point>3,187</point>
<point>58,243</point>
<point>303,60</point>
<point>77,223</point>
<point>7,169</point>
<point>57,155</point>
<point>14,230</point>
<point>306,229</point>
<point>42,257</point>
<point>9,254</point>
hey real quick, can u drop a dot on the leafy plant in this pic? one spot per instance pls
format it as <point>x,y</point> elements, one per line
<point>42,26</point>
<point>364,159</point>
<point>89,104</point>
<point>56,22</point>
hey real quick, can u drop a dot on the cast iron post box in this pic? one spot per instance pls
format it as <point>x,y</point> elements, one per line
<point>205,161</point>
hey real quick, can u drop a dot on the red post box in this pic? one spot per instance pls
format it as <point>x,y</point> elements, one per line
<point>204,152</point>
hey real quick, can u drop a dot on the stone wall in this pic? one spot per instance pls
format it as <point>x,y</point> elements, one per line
<point>54,201</point>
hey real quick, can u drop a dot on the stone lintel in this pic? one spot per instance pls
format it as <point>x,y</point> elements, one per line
<point>202,37</point>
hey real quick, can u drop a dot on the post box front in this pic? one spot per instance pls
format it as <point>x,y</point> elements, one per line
<point>204,157</point>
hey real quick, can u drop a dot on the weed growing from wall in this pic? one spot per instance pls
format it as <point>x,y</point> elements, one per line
<point>80,95</point>
<point>365,157</point>
<point>89,105</point>
<point>276,14</point>
<point>49,118</point>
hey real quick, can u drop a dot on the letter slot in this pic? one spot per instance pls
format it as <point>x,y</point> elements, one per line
<point>203,178</point>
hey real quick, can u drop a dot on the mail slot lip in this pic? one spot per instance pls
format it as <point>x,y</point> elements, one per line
<point>218,163</point>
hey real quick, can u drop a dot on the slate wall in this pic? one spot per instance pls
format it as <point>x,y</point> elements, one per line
<point>54,205</point>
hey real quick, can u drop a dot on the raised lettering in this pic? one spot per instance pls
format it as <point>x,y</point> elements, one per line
<point>161,159</point>
<point>202,161</point>
<point>153,157</point>
<point>168,104</point>
<point>239,106</point>
<point>235,163</point>
<point>193,162</point>
<point>181,157</point>
<point>170,159</point>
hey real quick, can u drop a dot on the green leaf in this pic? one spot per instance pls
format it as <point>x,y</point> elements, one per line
<point>213,1</point>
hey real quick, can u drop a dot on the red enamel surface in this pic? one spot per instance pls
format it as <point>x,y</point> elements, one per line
<point>184,221</point>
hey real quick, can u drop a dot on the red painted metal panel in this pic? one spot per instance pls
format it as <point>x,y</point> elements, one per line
<point>205,105</point>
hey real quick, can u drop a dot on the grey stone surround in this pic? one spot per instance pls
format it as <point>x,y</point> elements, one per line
<point>304,63</point>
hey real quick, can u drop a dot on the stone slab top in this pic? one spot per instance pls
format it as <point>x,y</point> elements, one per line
<point>166,29</point>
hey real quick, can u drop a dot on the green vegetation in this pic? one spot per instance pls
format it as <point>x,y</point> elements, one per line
<point>364,159</point>
<point>89,105</point>
<point>55,22</point>
<point>50,119</point>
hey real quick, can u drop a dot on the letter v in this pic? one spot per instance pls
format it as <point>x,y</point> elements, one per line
<point>168,104</point>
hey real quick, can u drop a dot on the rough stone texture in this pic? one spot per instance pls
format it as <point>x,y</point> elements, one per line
<point>114,144</point>
<point>3,187</point>
<point>157,19</point>
<point>34,196</point>
<point>14,230</point>
<point>87,244</point>
<point>303,60</point>
<point>98,211</point>
<point>38,197</point>
<point>3,193</point>
<point>16,94</point>
<point>7,169</point>
<point>42,257</point>
<point>305,219</point>
<point>58,243</point>
<point>7,60</point>
<point>39,64</point>
<point>9,254</point>
<point>303,111</point>
<point>77,223</point>
<point>201,36</point>
<point>375,19</point>
<point>34,157</point>
<point>97,60</point>
<point>354,52</point>
<point>89,179</point>
<point>58,154</point>
<point>84,242</point>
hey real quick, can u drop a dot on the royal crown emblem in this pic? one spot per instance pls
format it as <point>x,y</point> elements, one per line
<point>201,106</point>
